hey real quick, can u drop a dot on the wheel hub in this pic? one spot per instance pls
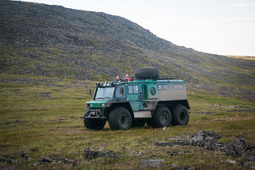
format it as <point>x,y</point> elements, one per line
<point>123,120</point>
<point>164,118</point>
<point>182,116</point>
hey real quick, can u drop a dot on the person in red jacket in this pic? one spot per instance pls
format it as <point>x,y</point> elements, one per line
<point>127,78</point>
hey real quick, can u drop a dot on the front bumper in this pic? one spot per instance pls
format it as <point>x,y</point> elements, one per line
<point>94,113</point>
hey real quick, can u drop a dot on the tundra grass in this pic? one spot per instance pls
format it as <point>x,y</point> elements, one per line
<point>41,117</point>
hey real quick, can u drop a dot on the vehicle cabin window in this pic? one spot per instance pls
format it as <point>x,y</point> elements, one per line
<point>163,87</point>
<point>181,86</point>
<point>133,89</point>
<point>178,86</point>
<point>120,92</point>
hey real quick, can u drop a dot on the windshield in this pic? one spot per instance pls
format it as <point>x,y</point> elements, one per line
<point>104,93</point>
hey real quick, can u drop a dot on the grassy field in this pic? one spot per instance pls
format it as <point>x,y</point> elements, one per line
<point>40,117</point>
<point>242,57</point>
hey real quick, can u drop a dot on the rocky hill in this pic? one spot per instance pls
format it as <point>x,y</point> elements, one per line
<point>44,40</point>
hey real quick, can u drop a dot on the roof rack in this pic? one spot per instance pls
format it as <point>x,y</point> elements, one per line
<point>169,78</point>
<point>160,78</point>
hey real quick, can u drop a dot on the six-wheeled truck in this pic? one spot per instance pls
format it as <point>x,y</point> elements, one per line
<point>148,98</point>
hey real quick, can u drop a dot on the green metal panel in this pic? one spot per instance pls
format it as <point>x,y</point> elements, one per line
<point>133,95</point>
<point>96,103</point>
<point>152,91</point>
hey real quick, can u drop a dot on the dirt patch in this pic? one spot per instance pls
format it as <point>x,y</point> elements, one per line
<point>152,163</point>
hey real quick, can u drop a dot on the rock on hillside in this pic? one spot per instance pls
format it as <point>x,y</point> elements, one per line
<point>46,40</point>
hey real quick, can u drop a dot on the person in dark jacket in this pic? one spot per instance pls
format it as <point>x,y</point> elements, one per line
<point>118,79</point>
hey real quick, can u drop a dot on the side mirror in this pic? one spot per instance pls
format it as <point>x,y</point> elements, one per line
<point>90,92</point>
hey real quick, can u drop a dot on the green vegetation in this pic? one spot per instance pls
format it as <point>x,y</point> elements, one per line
<point>41,117</point>
<point>51,57</point>
<point>66,43</point>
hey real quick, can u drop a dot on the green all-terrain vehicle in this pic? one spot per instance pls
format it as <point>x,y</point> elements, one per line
<point>148,98</point>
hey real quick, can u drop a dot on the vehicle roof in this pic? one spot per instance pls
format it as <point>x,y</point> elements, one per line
<point>150,81</point>
<point>139,81</point>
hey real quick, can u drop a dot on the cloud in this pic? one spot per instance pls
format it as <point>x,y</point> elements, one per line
<point>240,5</point>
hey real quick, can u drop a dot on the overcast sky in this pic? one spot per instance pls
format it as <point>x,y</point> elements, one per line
<point>225,27</point>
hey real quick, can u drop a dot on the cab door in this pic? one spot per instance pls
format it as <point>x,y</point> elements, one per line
<point>120,93</point>
<point>134,96</point>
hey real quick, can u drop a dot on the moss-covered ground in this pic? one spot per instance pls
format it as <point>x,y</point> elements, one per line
<point>41,117</point>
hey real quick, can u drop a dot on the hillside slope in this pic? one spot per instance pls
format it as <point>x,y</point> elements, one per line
<point>44,40</point>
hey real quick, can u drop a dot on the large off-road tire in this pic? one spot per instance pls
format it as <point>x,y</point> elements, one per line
<point>146,73</point>
<point>138,123</point>
<point>120,119</point>
<point>97,124</point>
<point>162,117</point>
<point>180,115</point>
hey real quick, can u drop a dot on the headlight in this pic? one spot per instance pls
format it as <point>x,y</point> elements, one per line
<point>105,104</point>
<point>89,105</point>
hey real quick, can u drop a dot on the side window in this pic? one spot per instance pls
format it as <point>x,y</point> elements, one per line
<point>160,87</point>
<point>133,89</point>
<point>163,87</point>
<point>130,90</point>
<point>120,91</point>
<point>153,91</point>
<point>178,86</point>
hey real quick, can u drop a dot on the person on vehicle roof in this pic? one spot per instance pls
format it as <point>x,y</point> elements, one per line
<point>127,78</point>
<point>118,79</point>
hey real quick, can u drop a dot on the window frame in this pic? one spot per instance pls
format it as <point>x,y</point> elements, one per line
<point>163,87</point>
<point>178,86</point>
<point>118,88</point>
<point>135,88</point>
